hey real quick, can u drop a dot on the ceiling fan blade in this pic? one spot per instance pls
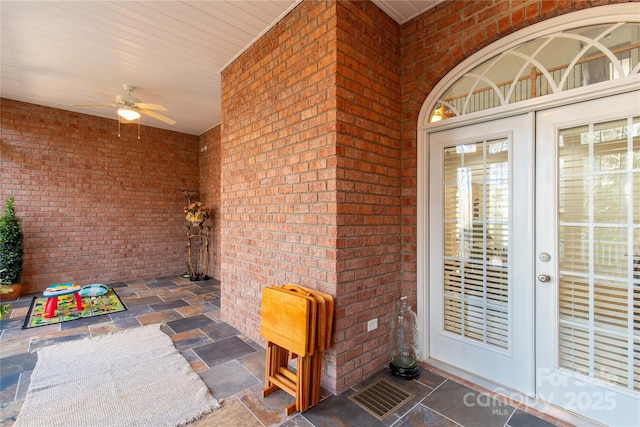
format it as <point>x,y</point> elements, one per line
<point>113,98</point>
<point>150,106</point>
<point>158,116</point>
<point>93,105</point>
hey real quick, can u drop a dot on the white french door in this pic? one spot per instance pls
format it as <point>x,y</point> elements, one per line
<point>481,247</point>
<point>534,255</point>
<point>588,258</point>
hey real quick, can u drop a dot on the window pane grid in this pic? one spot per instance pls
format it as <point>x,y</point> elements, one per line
<point>599,250</point>
<point>475,225</point>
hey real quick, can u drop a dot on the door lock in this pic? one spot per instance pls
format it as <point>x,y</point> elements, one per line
<point>544,278</point>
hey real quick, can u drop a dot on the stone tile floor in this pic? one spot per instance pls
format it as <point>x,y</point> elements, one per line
<point>233,367</point>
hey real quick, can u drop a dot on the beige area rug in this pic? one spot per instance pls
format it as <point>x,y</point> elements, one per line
<point>130,378</point>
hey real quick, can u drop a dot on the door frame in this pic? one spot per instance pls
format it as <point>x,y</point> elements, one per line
<point>519,355</point>
<point>586,93</point>
<point>423,274</point>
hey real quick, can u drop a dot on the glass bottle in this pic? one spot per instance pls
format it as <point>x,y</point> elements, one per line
<point>404,341</point>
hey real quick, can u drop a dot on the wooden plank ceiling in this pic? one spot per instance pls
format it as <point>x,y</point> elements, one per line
<point>57,53</point>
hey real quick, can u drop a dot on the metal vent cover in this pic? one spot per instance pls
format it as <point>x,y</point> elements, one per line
<point>381,399</point>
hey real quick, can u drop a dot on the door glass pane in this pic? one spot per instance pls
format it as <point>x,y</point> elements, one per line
<point>476,241</point>
<point>599,256</point>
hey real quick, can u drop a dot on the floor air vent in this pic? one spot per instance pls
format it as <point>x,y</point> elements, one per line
<point>381,399</point>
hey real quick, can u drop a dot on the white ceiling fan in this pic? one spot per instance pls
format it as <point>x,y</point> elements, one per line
<point>130,107</point>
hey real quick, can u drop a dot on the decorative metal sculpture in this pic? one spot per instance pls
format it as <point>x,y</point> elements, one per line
<point>196,214</point>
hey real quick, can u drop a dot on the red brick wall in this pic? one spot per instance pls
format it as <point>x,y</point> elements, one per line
<point>311,174</point>
<point>432,45</point>
<point>95,207</point>
<point>368,186</point>
<point>278,164</point>
<point>209,161</point>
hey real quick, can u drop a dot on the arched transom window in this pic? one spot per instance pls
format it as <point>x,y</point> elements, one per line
<point>548,65</point>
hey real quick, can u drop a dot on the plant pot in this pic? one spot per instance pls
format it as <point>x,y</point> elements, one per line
<point>10,292</point>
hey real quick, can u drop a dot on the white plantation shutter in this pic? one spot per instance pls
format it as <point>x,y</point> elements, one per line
<point>476,241</point>
<point>599,251</point>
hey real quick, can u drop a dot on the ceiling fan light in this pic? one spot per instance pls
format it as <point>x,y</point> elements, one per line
<point>128,113</point>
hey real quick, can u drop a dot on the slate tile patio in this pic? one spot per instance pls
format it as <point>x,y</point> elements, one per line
<point>233,366</point>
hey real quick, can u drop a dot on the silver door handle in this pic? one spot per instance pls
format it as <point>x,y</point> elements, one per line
<point>544,278</point>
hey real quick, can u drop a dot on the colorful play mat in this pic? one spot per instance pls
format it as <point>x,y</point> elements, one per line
<point>67,309</point>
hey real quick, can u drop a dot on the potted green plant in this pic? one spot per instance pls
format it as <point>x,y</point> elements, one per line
<point>4,308</point>
<point>11,252</point>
